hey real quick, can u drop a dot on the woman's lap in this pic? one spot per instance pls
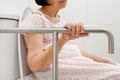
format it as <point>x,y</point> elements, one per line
<point>72,66</point>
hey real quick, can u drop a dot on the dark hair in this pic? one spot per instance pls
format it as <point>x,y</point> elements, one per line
<point>42,2</point>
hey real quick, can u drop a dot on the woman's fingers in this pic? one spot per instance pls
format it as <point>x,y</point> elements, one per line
<point>77,30</point>
<point>84,34</point>
<point>73,29</point>
<point>68,26</point>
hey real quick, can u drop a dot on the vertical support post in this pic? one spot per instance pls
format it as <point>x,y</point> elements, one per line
<point>55,56</point>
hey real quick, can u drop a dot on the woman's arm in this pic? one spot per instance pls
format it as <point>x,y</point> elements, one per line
<point>96,58</point>
<point>91,56</point>
<point>38,58</point>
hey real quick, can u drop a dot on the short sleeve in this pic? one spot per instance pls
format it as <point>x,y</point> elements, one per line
<point>32,21</point>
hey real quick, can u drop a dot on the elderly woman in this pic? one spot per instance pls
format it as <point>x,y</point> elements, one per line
<point>74,64</point>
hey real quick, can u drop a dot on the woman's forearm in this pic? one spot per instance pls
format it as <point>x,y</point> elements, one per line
<point>91,56</point>
<point>49,53</point>
<point>46,59</point>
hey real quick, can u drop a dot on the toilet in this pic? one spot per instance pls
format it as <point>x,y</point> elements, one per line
<point>9,69</point>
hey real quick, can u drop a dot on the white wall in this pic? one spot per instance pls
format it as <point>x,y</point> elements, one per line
<point>98,43</point>
<point>105,14</point>
<point>33,5</point>
<point>13,6</point>
<point>9,68</point>
<point>74,11</point>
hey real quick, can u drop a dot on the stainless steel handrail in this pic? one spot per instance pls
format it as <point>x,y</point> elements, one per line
<point>107,33</point>
<point>55,58</point>
<point>63,30</point>
<point>55,32</point>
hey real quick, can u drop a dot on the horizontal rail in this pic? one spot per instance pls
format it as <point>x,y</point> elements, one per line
<point>40,30</point>
<point>63,30</point>
<point>46,30</point>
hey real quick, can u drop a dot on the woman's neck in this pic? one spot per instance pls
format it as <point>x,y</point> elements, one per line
<point>49,11</point>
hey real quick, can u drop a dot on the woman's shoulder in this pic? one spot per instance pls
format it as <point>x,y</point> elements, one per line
<point>32,20</point>
<point>35,15</point>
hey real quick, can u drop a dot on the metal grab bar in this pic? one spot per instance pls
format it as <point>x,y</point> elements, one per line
<point>39,30</point>
<point>63,30</point>
<point>55,57</point>
<point>107,33</point>
<point>55,32</point>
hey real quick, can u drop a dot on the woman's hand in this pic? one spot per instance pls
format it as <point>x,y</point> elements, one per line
<point>76,29</point>
<point>106,60</point>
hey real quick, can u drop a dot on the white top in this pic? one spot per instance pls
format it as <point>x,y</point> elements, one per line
<point>39,21</point>
<point>72,65</point>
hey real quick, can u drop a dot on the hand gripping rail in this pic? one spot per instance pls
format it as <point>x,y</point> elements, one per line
<point>55,32</point>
